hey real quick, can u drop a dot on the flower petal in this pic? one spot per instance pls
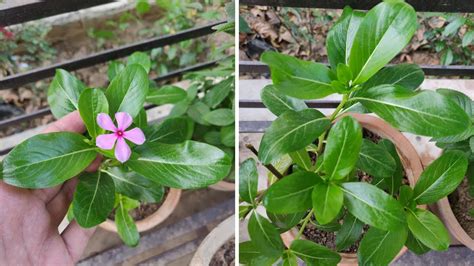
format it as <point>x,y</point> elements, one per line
<point>135,135</point>
<point>122,151</point>
<point>104,121</point>
<point>124,120</point>
<point>105,141</point>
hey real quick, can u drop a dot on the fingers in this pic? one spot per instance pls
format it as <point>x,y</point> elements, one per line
<point>59,205</point>
<point>76,239</point>
<point>72,122</point>
<point>95,164</point>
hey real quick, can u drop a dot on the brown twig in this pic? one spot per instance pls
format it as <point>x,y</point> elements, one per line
<point>270,167</point>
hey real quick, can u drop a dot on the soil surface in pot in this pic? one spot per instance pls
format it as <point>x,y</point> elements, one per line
<point>461,203</point>
<point>225,255</point>
<point>144,210</point>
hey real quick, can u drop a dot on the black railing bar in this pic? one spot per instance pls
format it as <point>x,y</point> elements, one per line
<point>432,70</point>
<point>28,10</point>
<point>101,57</point>
<point>311,104</point>
<point>463,6</point>
<point>46,111</point>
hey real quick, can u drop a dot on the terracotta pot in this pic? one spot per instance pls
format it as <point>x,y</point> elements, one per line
<point>223,186</point>
<point>408,156</point>
<point>213,241</point>
<point>168,206</point>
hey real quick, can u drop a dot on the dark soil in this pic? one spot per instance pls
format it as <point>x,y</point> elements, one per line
<point>144,210</point>
<point>225,255</point>
<point>461,203</point>
<point>328,239</point>
<point>367,134</point>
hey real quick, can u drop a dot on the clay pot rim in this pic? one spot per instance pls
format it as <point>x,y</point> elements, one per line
<point>410,160</point>
<point>165,210</point>
<point>213,241</point>
<point>223,186</point>
<point>451,222</point>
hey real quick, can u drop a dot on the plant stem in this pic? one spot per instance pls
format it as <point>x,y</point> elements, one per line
<point>333,116</point>
<point>270,167</point>
<point>305,222</point>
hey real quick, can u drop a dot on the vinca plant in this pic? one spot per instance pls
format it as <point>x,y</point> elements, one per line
<point>316,160</point>
<point>139,160</point>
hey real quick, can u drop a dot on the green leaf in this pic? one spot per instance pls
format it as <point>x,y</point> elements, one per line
<point>227,135</point>
<point>141,120</point>
<point>94,199</point>
<point>217,93</point>
<point>327,202</point>
<point>453,26</point>
<point>468,38</point>
<point>248,180</point>
<point>166,94</point>
<point>185,165</point>
<point>425,113</point>
<point>126,227</point>
<point>290,132</point>
<point>140,58</point>
<point>244,210</point>
<point>394,181</point>
<point>220,117</point>
<point>344,74</point>
<point>313,254</point>
<point>212,137</point>
<point>380,247</point>
<point>341,36</point>
<point>197,111</point>
<point>91,103</point>
<point>427,228</point>
<point>406,195</point>
<point>382,34</point>
<point>349,233</point>
<point>63,93</point>
<point>375,160</point>
<point>342,148</point>
<point>298,78</point>
<point>172,131</point>
<point>127,91</point>
<point>264,236</point>
<point>278,102</point>
<point>53,158</point>
<point>134,185</point>
<point>114,68</point>
<point>247,252</point>
<point>292,193</point>
<point>289,259</point>
<point>441,177</point>
<point>373,206</point>
<point>285,222</point>
<point>415,245</point>
<point>447,57</point>
<point>409,76</point>
<point>302,159</point>
<point>459,98</point>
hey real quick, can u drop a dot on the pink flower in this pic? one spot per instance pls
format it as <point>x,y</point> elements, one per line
<point>107,141</point>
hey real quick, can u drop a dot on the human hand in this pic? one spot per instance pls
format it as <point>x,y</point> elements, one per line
<point>29,219</point>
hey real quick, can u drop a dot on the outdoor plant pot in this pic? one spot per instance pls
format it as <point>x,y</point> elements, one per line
<point>445,213</point>
<point>408,156</point>
<point>165,210</point>
<point>213,242</point>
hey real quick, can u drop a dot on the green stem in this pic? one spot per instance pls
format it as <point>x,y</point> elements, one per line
<point>305,222</point>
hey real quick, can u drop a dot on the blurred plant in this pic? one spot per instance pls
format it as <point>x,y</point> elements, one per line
<point>27,44</point>
<point>451,35</point>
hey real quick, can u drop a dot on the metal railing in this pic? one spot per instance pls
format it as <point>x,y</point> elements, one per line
<point>255,67</point>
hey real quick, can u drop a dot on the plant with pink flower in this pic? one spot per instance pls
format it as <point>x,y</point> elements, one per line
<point>139,160</point>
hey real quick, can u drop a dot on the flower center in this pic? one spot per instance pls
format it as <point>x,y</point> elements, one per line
<point>119,133</point>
